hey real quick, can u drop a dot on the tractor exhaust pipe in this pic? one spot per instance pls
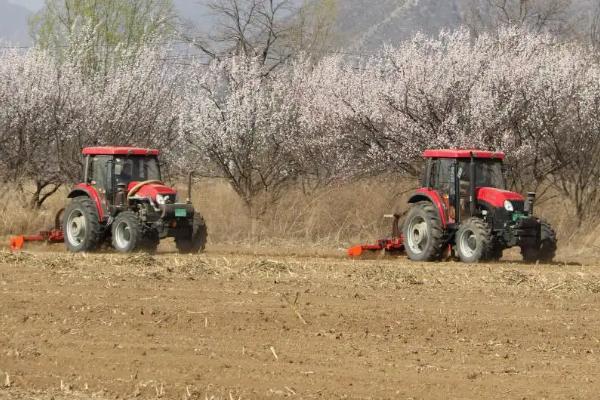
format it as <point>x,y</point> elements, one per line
<point>189,188</point>
<point>529,203</point>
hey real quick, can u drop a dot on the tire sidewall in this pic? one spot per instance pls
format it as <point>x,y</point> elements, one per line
<point>480,247</point>
<point>126,219</point>
<point>418,211</point>
<point>77,204</point>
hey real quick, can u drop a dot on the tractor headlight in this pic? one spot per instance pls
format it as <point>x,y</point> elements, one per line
<point>508,206</point>
<point>162,199</point>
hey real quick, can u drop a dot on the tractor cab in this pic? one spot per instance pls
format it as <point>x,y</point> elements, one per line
<point>457,177</point>
<point>113,171</point>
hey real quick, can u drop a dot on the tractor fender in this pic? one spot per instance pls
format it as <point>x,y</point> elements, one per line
<point>432,197</point>
<point>88,191</point>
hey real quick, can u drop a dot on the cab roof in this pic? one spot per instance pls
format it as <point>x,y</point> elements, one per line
<point>466,153</point>
<point>118,150</point>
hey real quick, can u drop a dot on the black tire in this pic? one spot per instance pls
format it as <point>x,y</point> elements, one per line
<point>192,240</point>
<point>543,251</point>
<point>150,241</point>
<point>495,252</point>
<point>473,241</point>
<point>127,233</point>
<point>81,225</point>
<point>424,236</point>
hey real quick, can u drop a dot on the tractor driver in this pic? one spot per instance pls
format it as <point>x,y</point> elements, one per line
<point>125,175</point>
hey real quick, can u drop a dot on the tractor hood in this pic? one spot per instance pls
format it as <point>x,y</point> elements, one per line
<point>497,197</point>
<point>152,189</point>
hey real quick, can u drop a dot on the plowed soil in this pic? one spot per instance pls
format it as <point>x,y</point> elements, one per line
<point>250,327</point>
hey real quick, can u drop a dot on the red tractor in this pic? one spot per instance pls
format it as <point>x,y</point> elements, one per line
<point>463,206</point>
<point>122,199</point>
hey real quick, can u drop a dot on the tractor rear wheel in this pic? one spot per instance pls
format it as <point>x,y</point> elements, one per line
<point>474,241</point>
<point>543,251</point>
<point>81,225</point>
<point>126,232</point>
<point>424,235</point>
<point>192,240</point>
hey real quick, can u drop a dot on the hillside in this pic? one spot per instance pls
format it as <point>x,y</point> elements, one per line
<point>13,23</point>
<point>361,25</point>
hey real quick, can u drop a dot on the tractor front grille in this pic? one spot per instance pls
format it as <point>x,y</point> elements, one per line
<point>519,205</point>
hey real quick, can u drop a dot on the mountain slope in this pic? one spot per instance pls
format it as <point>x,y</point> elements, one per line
<point>365,25</point>
<point>13,23</point>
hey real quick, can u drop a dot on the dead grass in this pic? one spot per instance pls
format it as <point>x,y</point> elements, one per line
<point>329,218</point>
<point>18,218</point>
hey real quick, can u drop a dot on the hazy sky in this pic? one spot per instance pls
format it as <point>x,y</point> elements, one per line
<point>14,26</point>
<point>33,5</point>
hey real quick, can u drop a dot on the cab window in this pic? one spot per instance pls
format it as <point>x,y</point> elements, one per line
<point>98,170</point>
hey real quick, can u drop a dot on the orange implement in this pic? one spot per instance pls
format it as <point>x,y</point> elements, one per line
<point>53,236</point>
<point>388,246</point>
<point>393,245</point>
<point>17,242</point>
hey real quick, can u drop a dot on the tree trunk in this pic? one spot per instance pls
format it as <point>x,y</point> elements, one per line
<point>39,196</point>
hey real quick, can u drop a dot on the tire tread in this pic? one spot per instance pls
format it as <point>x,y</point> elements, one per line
<point>437,232</point>
<point>88,207</point>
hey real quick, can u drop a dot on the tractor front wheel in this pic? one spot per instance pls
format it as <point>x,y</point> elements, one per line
<point>126,232</point>
<point>150,241</point>
<point>423,233</point>
<point>473,241</point>
<point>192,239</point>
<point>81,225</point>
<point>495,253</point>
<point>543,251</point>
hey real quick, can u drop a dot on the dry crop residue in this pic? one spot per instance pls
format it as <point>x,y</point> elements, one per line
<point>170,326</point>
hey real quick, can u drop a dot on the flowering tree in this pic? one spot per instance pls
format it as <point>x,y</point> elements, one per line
<point>559,122</point>
<point>49,111</point>
<point>265,129</point>
<point>517,91</point>
<point>425,93</point>
<point>99,33</point>
<point>39,106</point>
<point>239,122</point>
<point>134,103</point>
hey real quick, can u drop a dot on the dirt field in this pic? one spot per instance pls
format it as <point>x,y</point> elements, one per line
<point>250,327</point>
